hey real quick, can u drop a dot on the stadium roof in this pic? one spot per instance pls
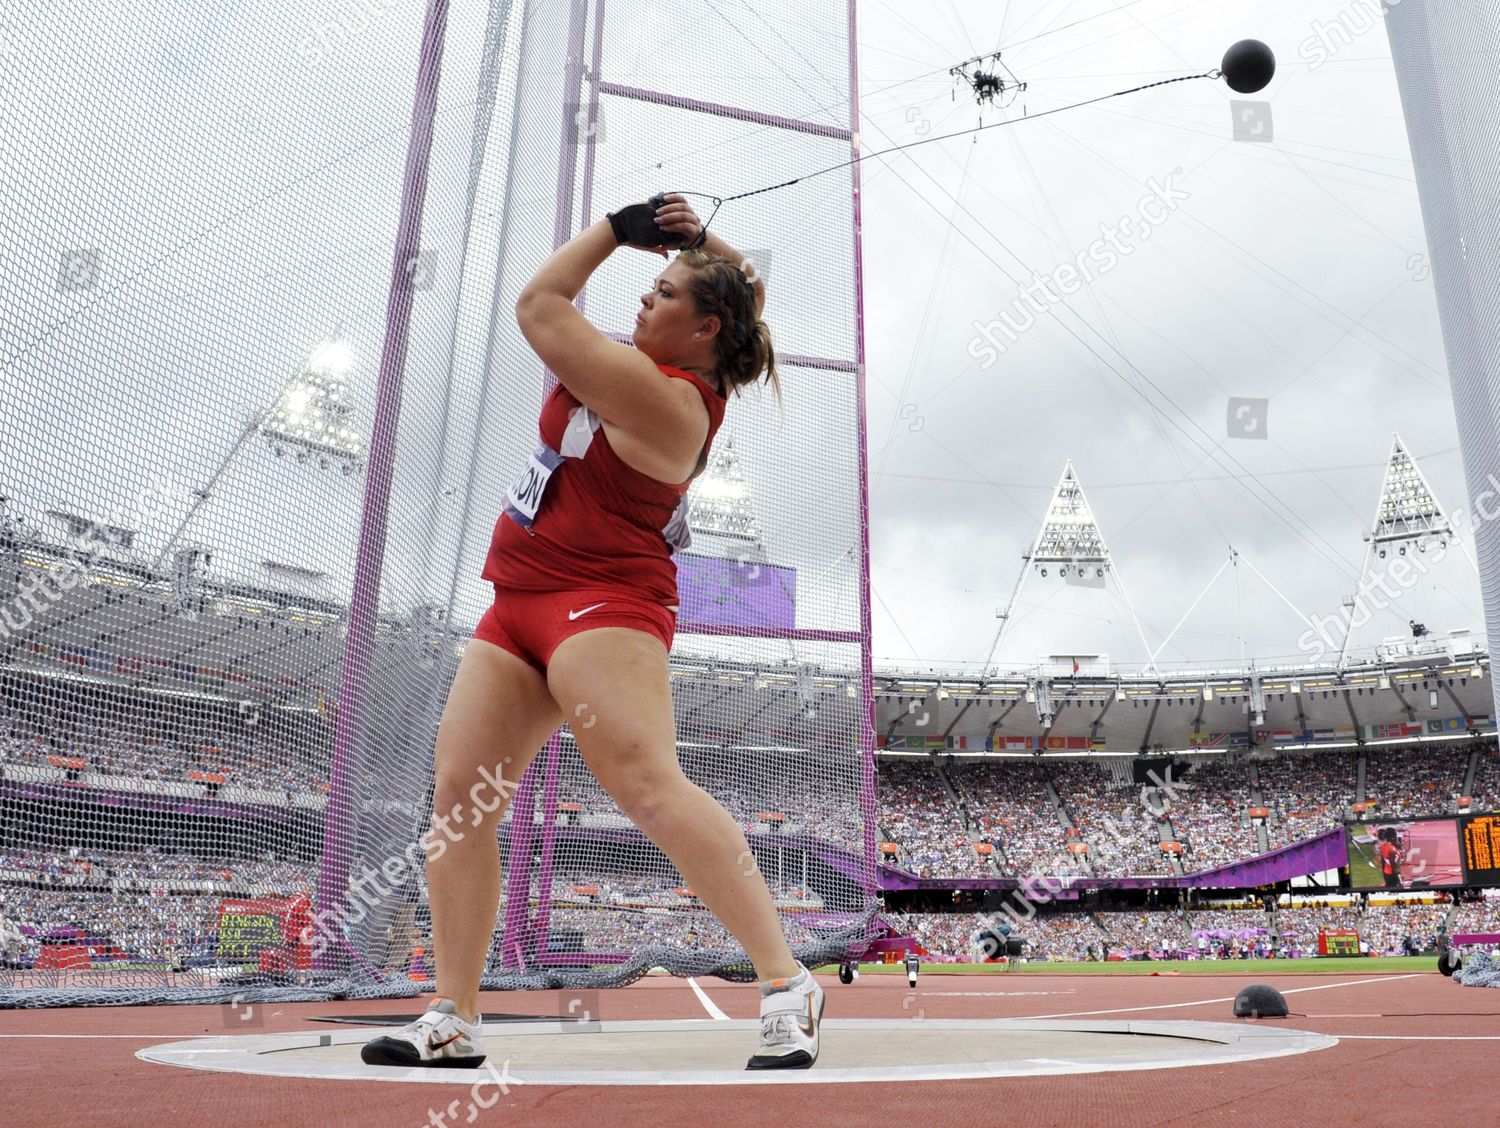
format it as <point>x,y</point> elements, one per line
<point>238,642</point>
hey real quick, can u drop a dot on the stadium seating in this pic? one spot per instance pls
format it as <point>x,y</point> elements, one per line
<point>148,902</point>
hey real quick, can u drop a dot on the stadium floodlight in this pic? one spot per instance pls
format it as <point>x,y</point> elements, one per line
<point>1408,513</point>
<point>1070,541</point>
<point>720,503</point>
<point>335,357</point>
<point>1408,510</point>
<point>312,415</point>
<point>1070,534</point>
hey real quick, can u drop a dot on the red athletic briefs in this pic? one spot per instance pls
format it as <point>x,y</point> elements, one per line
<point>532,625</point>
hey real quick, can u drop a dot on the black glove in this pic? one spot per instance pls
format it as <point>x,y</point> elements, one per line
<point>636,224</point>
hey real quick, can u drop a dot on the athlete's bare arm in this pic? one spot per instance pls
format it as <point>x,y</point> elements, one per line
<point>616,381</point>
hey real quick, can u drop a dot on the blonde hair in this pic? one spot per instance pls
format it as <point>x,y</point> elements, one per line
<point>721,289</point>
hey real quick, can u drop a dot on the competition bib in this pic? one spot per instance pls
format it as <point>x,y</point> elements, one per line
<point>525,495</point>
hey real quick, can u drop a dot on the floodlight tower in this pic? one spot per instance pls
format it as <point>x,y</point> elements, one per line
<point>1408,515</point>
<point>720,503</point>
<point>1069,543</point>
<point>311,418</point>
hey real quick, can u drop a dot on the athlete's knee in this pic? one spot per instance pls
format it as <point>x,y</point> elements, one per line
<point>645,796</point>
<point>465,796</point>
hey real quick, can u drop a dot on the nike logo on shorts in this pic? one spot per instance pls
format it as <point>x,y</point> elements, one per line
<point>575,614</point>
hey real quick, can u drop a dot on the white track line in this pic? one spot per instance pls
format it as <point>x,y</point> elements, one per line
<point>708,1004</point>
<point>1419,1037</point>
<point>1226,999</point>
<point>184,1037</point>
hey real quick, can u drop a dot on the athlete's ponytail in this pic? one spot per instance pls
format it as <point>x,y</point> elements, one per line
<point>721,289</point>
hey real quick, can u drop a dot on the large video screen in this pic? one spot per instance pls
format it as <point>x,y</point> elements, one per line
<point>735,593</point>
<point>1404,853</point>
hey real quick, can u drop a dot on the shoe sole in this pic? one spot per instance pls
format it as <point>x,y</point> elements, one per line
<point>390,1051</point>
<point>797,1059</point>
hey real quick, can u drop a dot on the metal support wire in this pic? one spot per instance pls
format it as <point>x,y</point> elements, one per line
<point>1125,595</point>
<point>1188,613</point>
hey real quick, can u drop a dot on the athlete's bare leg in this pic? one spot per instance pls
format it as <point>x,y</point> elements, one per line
<point>498,716</point>
<point>613,687</point>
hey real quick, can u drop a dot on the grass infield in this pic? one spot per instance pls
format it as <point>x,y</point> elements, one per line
<point>1321,965</point>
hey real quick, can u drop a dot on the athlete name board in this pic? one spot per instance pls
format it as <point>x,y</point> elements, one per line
<point>1480,835</point>
<point>1338,942</point>
<point>245,927</point>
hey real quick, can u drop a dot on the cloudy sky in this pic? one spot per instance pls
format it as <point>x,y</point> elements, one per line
<point>224,177</point>
<point>1289,270</point>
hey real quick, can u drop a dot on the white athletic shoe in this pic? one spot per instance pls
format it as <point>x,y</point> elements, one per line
<point>437,1038</point>
<point>791,1011</point>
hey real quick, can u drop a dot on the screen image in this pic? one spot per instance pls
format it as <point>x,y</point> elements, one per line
<point>1404,854</point>
<point>1481,843</point>
<point>736,593</point>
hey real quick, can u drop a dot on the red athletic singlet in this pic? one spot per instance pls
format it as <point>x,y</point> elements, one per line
<point>1390,856</point>
<point>595,523</point>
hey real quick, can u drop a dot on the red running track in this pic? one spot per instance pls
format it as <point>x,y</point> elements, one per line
<point>1428,1056</point>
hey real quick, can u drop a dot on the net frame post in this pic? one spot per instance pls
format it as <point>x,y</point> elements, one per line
<point>868,807</point>
<point>359,642</point>
<point>1451,129</point>
<point>536,933</point>
<point>512,939</point>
